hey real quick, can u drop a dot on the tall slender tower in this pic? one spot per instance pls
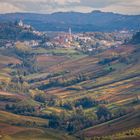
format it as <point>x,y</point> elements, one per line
<point>70,34</point>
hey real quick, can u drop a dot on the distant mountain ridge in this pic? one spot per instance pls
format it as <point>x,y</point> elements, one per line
<point>79,22</point>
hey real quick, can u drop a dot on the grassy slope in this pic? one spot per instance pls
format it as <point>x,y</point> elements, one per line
<point>11,118</point>
<point>118,125</point>
<point>17,127</point>
<point>9,132</point>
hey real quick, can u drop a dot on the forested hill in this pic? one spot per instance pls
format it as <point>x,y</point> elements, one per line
<point>136,38</point>
<point>11,31</point>
<point>79,22</point>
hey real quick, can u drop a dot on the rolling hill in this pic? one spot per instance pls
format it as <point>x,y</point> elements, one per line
<point>11,31</point>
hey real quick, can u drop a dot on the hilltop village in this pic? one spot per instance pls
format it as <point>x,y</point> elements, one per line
<point>86,42</point>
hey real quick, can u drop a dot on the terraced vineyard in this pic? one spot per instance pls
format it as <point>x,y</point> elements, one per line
<point>66,94</point>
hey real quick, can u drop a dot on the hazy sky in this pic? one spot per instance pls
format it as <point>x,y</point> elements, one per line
<point>49,6</point>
